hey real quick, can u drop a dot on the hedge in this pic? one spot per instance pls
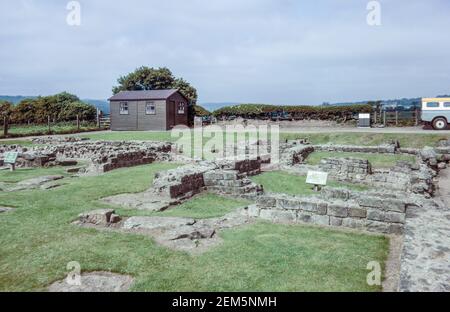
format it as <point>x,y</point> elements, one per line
<point>295,112</point>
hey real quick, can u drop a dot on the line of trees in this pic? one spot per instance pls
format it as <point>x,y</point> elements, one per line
<point>59,107</point>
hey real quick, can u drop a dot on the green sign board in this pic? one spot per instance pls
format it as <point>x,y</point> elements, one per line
<point>10,157</point>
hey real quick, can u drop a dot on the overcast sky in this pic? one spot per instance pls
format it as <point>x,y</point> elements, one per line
<point>260,51</point>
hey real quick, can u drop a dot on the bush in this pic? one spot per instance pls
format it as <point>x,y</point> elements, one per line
<point>60,107</point>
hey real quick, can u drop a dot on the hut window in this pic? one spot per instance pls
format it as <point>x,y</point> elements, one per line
<point>181,108</point>
<point>124,108</point>
<point>150,108</point>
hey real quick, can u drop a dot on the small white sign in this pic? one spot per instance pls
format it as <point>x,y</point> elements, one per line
<point>10,157</point>
<point>364,116</point>
<point>317,178</point>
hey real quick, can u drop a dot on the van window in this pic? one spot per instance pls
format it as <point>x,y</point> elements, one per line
<point>432,104</point>
<point>447,104</point>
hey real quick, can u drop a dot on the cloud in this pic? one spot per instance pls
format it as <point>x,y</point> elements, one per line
<point>292,52</point>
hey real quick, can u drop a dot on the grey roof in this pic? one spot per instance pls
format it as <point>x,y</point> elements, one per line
<point>143,95</point>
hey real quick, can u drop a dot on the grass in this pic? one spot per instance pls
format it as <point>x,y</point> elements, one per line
<point>42,129</point>
<point>377,160</point>
<point>363,138</point>
<point>205,206</point>
<point>370,139</point>
<point>27,173</point>
<point>37,240</point>
<point>17,142</point>
<point>283,182</point>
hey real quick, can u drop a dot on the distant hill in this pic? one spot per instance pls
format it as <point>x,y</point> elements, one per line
<point>15,99</point>
<point>103,105</point>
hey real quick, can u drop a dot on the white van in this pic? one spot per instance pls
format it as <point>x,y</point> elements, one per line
<point>436,111</point>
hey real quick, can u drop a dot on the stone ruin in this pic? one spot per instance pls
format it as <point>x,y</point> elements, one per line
<point>175,185</point>
<point>396,194</point>
<point>101,156</point>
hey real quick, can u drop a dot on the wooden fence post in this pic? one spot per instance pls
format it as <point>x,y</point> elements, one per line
<point>98,118</point>
<point>417,117</point>
<point>396,117</point>
<point>5,126</point>
<point>384,118</point>
<point>48,123</point>
<point>78,122</point>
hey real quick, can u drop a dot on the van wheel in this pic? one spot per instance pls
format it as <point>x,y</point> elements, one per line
<point>440,123</point>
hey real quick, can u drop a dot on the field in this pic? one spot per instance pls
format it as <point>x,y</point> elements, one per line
<point>58,128</point>
<point>345,138</point>
<point>38,240</point>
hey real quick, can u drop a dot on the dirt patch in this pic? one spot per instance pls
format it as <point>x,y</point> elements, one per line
<point>95,282</point>
<point>392,269</point>
<point>5,209</point>
<point>444,187</point>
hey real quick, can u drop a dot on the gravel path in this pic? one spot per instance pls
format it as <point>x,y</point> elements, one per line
<point>425,261</point>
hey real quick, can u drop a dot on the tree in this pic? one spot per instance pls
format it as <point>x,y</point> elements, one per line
<point>24,112</point>
<point>5,111</point>
<point>60,107</point>
<point>145,78</point>
<point>83,110</point>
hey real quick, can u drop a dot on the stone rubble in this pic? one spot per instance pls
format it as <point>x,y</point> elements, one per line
<point>185,234</point>
<point>95,282</point>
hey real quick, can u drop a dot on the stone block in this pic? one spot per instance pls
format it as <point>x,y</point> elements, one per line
<point>336,221</point>
<point>354,223</point>
<point>356,212</point>
<point>253,211</point>
<point>379,227</point>
<point>97,217</point>
<point>266,202</point>
<point>337,210</point>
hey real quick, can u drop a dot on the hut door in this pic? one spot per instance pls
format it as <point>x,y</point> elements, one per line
<point>171,115</point>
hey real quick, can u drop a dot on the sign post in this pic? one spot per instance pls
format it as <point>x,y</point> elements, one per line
<point>11,158</point>
<point>317,178</point>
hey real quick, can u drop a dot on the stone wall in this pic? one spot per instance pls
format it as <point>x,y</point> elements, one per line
<point>345,168</point>
<point>182,182</point>
<point>292,154</point>
<point>224,177</point>
<point>103,156</point>
<point>371,213</point>
<point>381,149</point>
<point>231,182</point>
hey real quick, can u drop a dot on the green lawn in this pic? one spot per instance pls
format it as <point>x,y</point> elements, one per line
<point>37,240</point>
<point>16,142</point>
<point>283,182</point>
<point>366,139</point>
<point>377,160</point>
<point>27,173</point>
<point>42,129</point>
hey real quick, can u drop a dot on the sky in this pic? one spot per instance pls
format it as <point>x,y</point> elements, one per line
<point>246,51</point>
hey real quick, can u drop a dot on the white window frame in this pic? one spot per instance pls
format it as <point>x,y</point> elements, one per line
<point>147,104</point>
<point>183,106</point>
<point>122,106</point>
